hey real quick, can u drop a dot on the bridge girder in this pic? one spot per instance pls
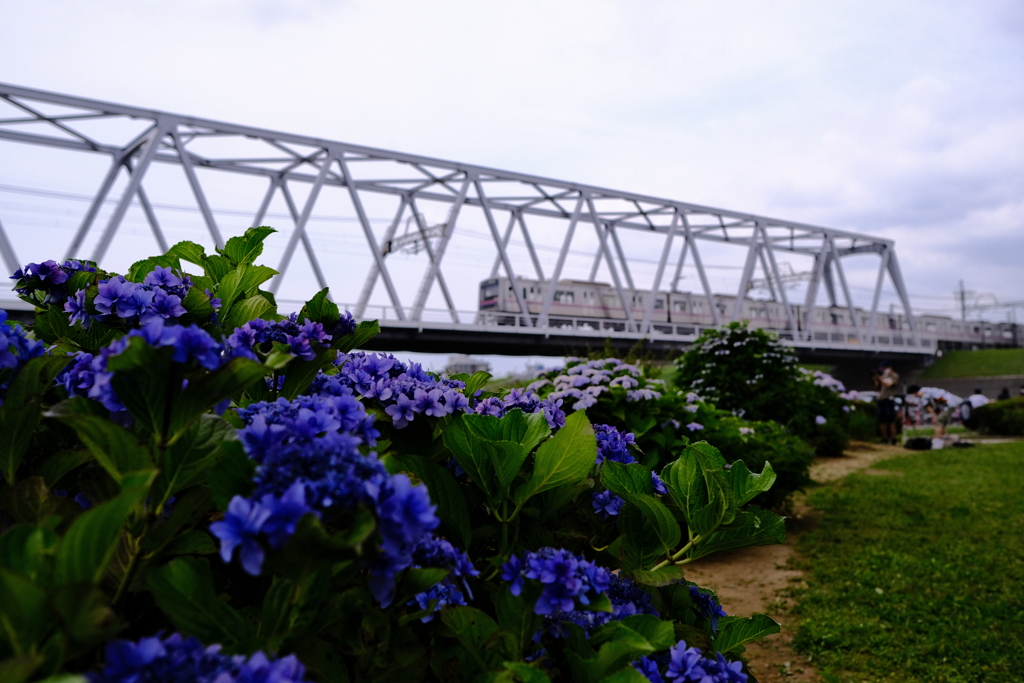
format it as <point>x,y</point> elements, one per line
<point>284,159</point>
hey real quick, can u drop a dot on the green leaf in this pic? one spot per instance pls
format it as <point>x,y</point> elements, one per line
<point>733,632</point>
<point>472,627</point>
<point>204,393</point>
<point>115,448</point>
<point>247,247</point>
<point>16,428</point>
<point>746,485</point>
<point>661,577</point>
<point>194,542</point>
<point>365,331</point>
<point>623,479</point>
<point>232,474</point>
<point>445,493</point>
<point>20,669</point>
<point>24,612</point>
<point>89,544</point>
<point>61,463</point>
<point>526,673</point>
<point>752,526</point>
<point>660,634</point>
<point>189,251</point>
<point>515,615</point>
<point>476,382</point>
<point>85,614</point>
<point>138,270</point>
<point>300,373</point>
<point>626,674</point>
<point>565,458</point>
<point>642,548</point>
<point>34,379</point>
<point>188,460</point>
<point>31,501</point>
<point>515,426</point>
<point>658,519</point>
<point>478,465</point>
<point>246,310</point>
<point>27,550</point>
<point>183,589</point>
<point>321,309</point>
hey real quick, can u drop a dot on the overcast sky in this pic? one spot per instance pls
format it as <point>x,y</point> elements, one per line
<point>899,119</point>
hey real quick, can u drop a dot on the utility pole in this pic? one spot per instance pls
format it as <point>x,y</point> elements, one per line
<point>963,301</point>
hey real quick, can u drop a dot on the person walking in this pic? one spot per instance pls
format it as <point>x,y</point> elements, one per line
<point>886,382</point>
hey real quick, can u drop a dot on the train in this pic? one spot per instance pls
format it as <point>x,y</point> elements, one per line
<point>598,306</point>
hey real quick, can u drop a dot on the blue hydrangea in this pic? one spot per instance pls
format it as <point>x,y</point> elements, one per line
<point>16,349</point>
<point>707,605</point>
<point>48,277</point>
<point>304,340</point>
<point>606,504</point>
<point>87,374</point>
<point>614,445</point>
<point>157,297</point>
<point>568,580</point>
<point>316,441</point>
<point>682,663</point>
<point>176,659</point>
<point>437,552</point>
<point>528,402</point>
<point>627,600</point>
<point>403,391</point>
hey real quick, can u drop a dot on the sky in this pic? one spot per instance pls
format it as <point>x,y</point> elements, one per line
<point>900,120</point>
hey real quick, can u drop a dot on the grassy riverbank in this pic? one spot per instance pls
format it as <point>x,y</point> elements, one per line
<point>915,572</point>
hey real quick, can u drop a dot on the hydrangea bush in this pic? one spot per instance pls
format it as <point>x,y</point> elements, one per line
<point>750,373</point>
<point>197,488</point>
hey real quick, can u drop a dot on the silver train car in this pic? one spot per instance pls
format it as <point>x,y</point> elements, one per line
<point>598,306</point>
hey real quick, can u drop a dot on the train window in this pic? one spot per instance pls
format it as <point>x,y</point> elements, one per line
<point>930,327</point>
<point>678,306</point>
<point>659,304</point>
<point>489,290</point>
<point>563,296</point>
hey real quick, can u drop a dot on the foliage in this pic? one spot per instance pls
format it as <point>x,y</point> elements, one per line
<point>198,488</point>
<point>1005,418</point>
<point>980,363</point>
<point>664,420</point>
<point>748,372</point>
<point>917,577</point>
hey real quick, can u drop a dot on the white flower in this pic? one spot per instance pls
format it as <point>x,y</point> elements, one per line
<point>691,408</point>
<point>746,430</point>
<point>694,426</point>
<point>820,420</point>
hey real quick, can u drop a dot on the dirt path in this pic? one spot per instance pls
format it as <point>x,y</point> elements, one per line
<point>756,579</point>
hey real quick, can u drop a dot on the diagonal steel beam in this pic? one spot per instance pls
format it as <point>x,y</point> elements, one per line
<point>422,227</point>
<point>602,235</point>
<point>645,324</point>
<point>790,319</point>
<point>7,252</point>
<point>300,224</point>
<point>504,243</point>
<point>197,189</point>
<point>306,244</point>
<point>371,277</point>
<point>699,265</point>
<point>883,266</point>
<point>505,260</point>
<point>556,274</point>
<point>435,264</point>
<point>846,290</point>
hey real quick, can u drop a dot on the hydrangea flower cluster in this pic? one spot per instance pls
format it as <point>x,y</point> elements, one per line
<point>87,375</point>
<point>49,277</point>
<point>627,600</point>
<point>176,659</point>
<point>313,442</point>
<point>708,606</point>
<point>614,445</point>
<point>303,340</point>
<point>157,297</point>
<point>606,504</point>
<point>438,552</point>
<point>682,663</point>
<point>567,580</point>
<point>526,401</point>
<point>16,349</point>
<point>585,381</point>
<point>404,391</point>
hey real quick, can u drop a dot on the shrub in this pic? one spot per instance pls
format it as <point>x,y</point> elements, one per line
<point>751,374</point>
<point>662,421</point>
<point>1000,417</point>
<point>237,495</point>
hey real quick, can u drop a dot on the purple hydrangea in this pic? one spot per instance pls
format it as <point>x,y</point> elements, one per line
<point>688,664</point>
<point>567,580</point>
<point>453,589</point>
<point>708,606</point>
<point>614,445</point>
<point>606,504</point>
<point>403,391</point>
<point>157,298</point>
<point>48,277</point>
<point>304,340</point>
<point>627,600</point>
<point>16,349</point>
<point>528,402</point>
<point>177,659</point>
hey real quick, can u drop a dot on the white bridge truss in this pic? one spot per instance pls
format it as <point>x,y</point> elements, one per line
<point>510,203</point>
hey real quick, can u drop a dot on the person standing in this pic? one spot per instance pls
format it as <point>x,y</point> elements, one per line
<point>886,382</point>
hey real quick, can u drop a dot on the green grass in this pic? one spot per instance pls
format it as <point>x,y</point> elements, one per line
<point>918,577</point>
<point>911,432</point>
<point>983,363</point>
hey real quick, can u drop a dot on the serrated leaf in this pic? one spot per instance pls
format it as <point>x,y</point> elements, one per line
<point>624,479</point>
<point>752,526</point>
<point>320,309</point>
<point>246,248</point>
<point>478,465</point>
<point>116,449</point>
<point>194,542</point>
<point>660,577</point>
<point>246,310</point>
<point>16,428</point>
<point>746,485</point>
<point>365,331</point>
<point>34,379</point>
<point>189,251</point>
<point>658,518</point>
<point>736,631</point>
<point>565,458</point>
<point>89,544</point>
<point>183,589</point>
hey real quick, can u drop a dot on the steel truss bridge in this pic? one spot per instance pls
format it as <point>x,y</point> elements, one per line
<point>510,203</point>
